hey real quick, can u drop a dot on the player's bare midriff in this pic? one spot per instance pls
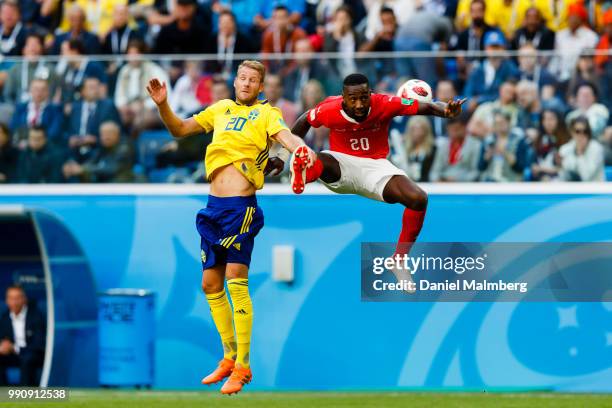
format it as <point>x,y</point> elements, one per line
<point>227,181</point>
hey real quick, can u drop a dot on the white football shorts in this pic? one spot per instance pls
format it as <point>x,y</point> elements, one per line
<point>363,176</point>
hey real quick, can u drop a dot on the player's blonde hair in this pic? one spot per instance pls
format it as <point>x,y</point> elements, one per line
<point>256,65</point>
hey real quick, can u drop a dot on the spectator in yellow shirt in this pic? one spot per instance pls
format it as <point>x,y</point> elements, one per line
<point>554,12</point>
<point>509,14</point>
<point>99,14</point>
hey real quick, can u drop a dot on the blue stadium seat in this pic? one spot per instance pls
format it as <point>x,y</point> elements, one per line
<point>13,375</point>
<point>171,174</point>
<point>149,144</point>
<point>160,175</point>
<point>608,173</point>
<point>138,170</point>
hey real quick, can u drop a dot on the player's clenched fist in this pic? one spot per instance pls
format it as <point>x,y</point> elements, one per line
<point>274,167</point>
<point>158,91</point>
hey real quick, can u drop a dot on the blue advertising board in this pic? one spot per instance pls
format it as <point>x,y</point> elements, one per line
<point>146,238</point>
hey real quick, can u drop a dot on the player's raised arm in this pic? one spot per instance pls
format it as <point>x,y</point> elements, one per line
<point>442,109</point>
<point>178,127</point>
<point>292,142</point>
<point>301,125</point>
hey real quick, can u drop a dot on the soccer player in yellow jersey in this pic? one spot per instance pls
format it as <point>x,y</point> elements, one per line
<point>235,162</point>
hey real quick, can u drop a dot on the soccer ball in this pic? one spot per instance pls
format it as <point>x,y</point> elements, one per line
<point>416,89</point>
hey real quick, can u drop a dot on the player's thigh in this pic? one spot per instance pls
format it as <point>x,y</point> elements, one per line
<point>350,170</point>
<point>240,252</point>
<point>213,279</point>
<point>370,177</point>
<point>236,271</point>
<point>400,189</point>
<point>331,168</point>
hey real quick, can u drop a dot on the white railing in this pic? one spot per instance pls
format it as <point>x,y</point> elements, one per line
<point>285,189</point>
<point>313,55</point>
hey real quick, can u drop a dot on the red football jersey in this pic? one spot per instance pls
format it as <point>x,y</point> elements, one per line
<point>369,138</point>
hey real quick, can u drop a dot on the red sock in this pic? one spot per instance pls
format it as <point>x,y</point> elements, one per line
<point>412,222</point>
<point>314,172</point>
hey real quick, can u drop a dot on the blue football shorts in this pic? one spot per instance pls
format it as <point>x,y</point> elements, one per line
<point>227,227</point>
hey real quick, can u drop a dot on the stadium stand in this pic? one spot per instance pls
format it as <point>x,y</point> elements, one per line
<point>518,60</point>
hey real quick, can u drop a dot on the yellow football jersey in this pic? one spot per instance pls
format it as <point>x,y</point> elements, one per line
<point>241,136</point>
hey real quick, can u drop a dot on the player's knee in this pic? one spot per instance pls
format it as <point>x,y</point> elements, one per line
<point>212,287</point>
<point>416,200</point>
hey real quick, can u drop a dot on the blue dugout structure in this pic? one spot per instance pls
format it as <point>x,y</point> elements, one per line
<point>145,237</point>
<point>39,253</point>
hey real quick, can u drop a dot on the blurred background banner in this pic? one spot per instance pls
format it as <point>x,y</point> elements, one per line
<point>145,237</point>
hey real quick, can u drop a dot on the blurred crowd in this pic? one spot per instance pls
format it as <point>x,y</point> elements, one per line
<point>73,74</point>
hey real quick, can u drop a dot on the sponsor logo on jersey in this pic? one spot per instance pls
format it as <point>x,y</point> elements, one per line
<point>253,114</point>
<point>228,112</point>
<point>237,246</point>
<point>408,102</point>
<point>203,256</point>
<point>313,114</point>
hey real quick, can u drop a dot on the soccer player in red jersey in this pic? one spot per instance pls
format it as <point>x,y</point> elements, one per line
<point>359,144</point>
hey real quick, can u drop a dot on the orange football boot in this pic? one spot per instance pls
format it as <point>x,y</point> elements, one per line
<point>240,377</point>
<point>223,370</point>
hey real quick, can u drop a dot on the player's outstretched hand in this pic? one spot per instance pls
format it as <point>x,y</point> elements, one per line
<point>453,107</point>
<point>158,91</point>
<point>274,167</point>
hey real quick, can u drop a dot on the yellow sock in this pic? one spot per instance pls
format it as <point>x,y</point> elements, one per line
<point>243,317</point>
<point>222,315</point>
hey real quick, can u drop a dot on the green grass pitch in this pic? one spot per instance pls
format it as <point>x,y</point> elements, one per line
<point>256,399</point>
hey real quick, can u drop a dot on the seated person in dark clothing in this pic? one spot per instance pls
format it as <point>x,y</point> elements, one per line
<point>117,40</point>
<point>21,74</point>
<point>121,33</point>
<point>227,42</point>
<point>110,163</point>
<point>40,162</point>
<point>470,39</point>
<point>85,118</point>
<point>534,32</point>
<point>73,68</point>
<point>383,42</point>
<point>36,15</point>
<point>22,338</point>
<point>12,31</point>
<point>77,31</point>
<point>183,36</point>
<point>8,156</point>
<point>38,111</point>
<point>307,67</point>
